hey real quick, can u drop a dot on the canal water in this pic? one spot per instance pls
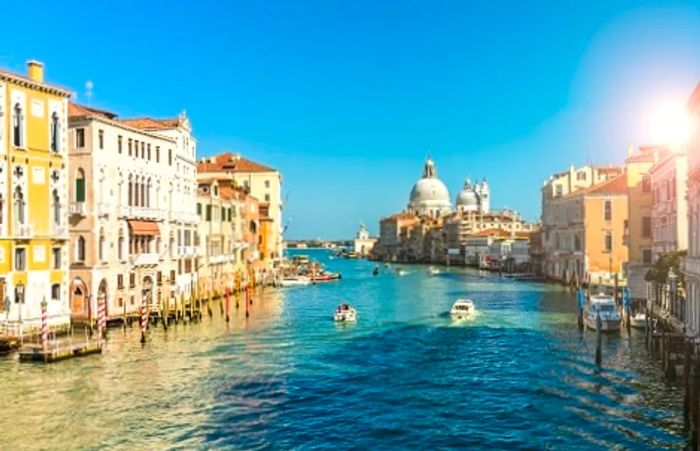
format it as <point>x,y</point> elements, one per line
<point>521,375</point>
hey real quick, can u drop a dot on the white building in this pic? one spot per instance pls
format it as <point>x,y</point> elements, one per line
<point>133,214</point>
<point>363,243</point>
<point>669,214</point>
<point>691,265</point>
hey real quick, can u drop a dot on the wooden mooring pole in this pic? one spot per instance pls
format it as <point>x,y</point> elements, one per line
<point>598,340</point>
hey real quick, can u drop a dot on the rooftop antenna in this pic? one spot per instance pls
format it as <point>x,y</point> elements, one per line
<point>88,91</point>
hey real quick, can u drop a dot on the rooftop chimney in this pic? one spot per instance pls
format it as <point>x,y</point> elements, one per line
<point>35,71</point>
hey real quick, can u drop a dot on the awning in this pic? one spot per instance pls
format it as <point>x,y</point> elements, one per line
<point>148,228</point>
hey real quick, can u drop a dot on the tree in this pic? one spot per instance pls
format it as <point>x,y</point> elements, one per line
<point>658,273</point>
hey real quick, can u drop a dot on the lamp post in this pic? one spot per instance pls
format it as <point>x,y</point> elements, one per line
<point>19,293</point>
<point>672,279</point>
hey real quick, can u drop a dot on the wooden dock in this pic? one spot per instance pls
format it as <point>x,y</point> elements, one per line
<point>59,350</point>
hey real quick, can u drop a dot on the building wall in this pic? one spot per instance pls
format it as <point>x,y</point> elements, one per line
<point>37,171</point>
<point>599,262</point>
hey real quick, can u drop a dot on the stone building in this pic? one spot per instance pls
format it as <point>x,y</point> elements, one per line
<point>691,264</point>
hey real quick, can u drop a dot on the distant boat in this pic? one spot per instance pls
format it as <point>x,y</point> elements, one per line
<point>345,314</point>
<point>433,271</point>
<point>326,277</point>
<point>463,309</point>
<point>604,306</point>
<point>401,272</point>
<point>375,271</point>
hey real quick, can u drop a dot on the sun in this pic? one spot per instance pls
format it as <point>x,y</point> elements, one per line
<point>669,124</point>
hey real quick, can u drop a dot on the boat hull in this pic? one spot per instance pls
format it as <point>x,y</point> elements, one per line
<point>606,325</point>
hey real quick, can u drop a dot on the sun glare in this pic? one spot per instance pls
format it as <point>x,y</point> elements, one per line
<point>669,124</point>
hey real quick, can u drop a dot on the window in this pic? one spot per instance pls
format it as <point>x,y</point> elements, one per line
<point>20,258</point>
<point>170,157</point>
<point>80,249</point>
<point>56,207</point>
<point>646,184</point>
<point>132,280</point>
<point>119,144</point>
<point>607,242</point>
<point>159,278</point>
<point>216,190</point>
<point>267,183</point>
<point>18,126</point>
<point>581,175</point>
<point>608,210</point>
<point>79,138</point>
<point>101,246</point>
<point>558,190</point>
<point>136,148</point>
<point>199,209</point>
<point>646,256</point>
<point>148,152</point>
<point>101,139</point>
<point>267,198</point>
<point>120,280</point>
<point>646,227</point>
<point>143,149</point>
<point>80,185</point>
<point>129,146</point>
<point>157,154</point>
<point>56,292</point>
<point>55,132</point>
<point>172,276</point>
<point>56,257</point>
<point>120,248</point>
<point>208,215</point>
<point>20,204</point>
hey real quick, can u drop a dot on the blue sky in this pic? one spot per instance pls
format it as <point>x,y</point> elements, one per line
<point>348,98</point>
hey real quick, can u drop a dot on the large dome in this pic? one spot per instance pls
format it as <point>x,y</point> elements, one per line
<point>429,195</point>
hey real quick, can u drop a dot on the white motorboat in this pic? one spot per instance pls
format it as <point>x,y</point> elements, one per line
<point>639,320</point>
<point>401,272</point>
<point>463,309</point>
<point>345,314</point>
<point>433,271</point>
<point>604,306</point>
<point>295,281</point>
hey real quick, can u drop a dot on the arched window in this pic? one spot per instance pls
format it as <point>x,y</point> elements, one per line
<point>120,246</point>
<point>136,192</point>
<point>143,193</point>
<point>56,292</point>
<point>148,193</point>
<point>18,126</point>
<point>55,132</point>
<point>56,207</point>
<point>131,191</point>
<point>253,227</point>
<point>80,185</point>
<point>20,203</point>
<point>80,249</point>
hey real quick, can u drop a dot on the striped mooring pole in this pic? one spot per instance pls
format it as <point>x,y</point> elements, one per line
<point>101,320</point>
<point>144,323</point>
<point>44,325</point>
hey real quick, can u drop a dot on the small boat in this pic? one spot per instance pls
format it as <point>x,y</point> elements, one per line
<point>326,277</point>
<point>375,271</point>
<point>345,314</point>
<point>386,265</point>
<point>639,320</point>
<point>433,271</point>
<point>604,306</point>
<point>463,309</point>
<point>295,281</point>
<point>400,272</point>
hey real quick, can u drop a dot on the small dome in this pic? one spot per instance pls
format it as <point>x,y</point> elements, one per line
<point>467,198</point>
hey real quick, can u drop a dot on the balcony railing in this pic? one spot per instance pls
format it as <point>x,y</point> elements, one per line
<point>23,230</point>
<point>146,259</point>
<point>184,216</point>
<point>126,211</point>
<point>77,208</point>
<point>223,258</point>
<point>103,209</point>
<point>186,250</point>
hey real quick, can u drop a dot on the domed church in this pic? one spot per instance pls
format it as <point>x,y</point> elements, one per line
<point>429,196</point>
<point>474,197</point>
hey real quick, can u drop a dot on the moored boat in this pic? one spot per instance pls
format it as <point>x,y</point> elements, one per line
<point>639,320</point>
<point>344,313</point>
<point>602,306</point>
<point>294,281</point>
<point>326,277</point>
<point>463,309</point>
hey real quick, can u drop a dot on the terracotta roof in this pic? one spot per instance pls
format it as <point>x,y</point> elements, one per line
<point>402,216</point>
<point>148,123</point>
<point>24,80</point>
<point>76,110</point>
<point>614,186</point>
<point>229,162</point>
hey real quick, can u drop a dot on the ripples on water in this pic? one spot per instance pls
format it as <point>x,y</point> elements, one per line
<point>519,376</point>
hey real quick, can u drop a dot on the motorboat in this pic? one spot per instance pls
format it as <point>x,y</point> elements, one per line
<point>433,271</point>
<point>295,281</point>
<point>344,313</point>
<point>463,309</point>
<point>604,306</point>
<point>401,272</point>
<point>639,320</point>
<point>326,277</point>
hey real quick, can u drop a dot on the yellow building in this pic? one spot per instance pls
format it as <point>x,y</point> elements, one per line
<point>33,195</point>
<point>640,203</point>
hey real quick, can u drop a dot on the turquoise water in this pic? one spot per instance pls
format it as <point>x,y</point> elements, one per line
<point>520,375</point>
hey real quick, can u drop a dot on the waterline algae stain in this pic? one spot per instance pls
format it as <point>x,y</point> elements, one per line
<point>520,375</point>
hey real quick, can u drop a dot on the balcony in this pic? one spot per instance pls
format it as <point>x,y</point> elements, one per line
<point>131,212</point>
<point>77,208</point>
<point>185,251</point>
<point>691,266</point>
<point>216,259</point>
<point>23,230</point>
<point>146,259</point>
<point>103,209</point>
<point>184,216</point>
